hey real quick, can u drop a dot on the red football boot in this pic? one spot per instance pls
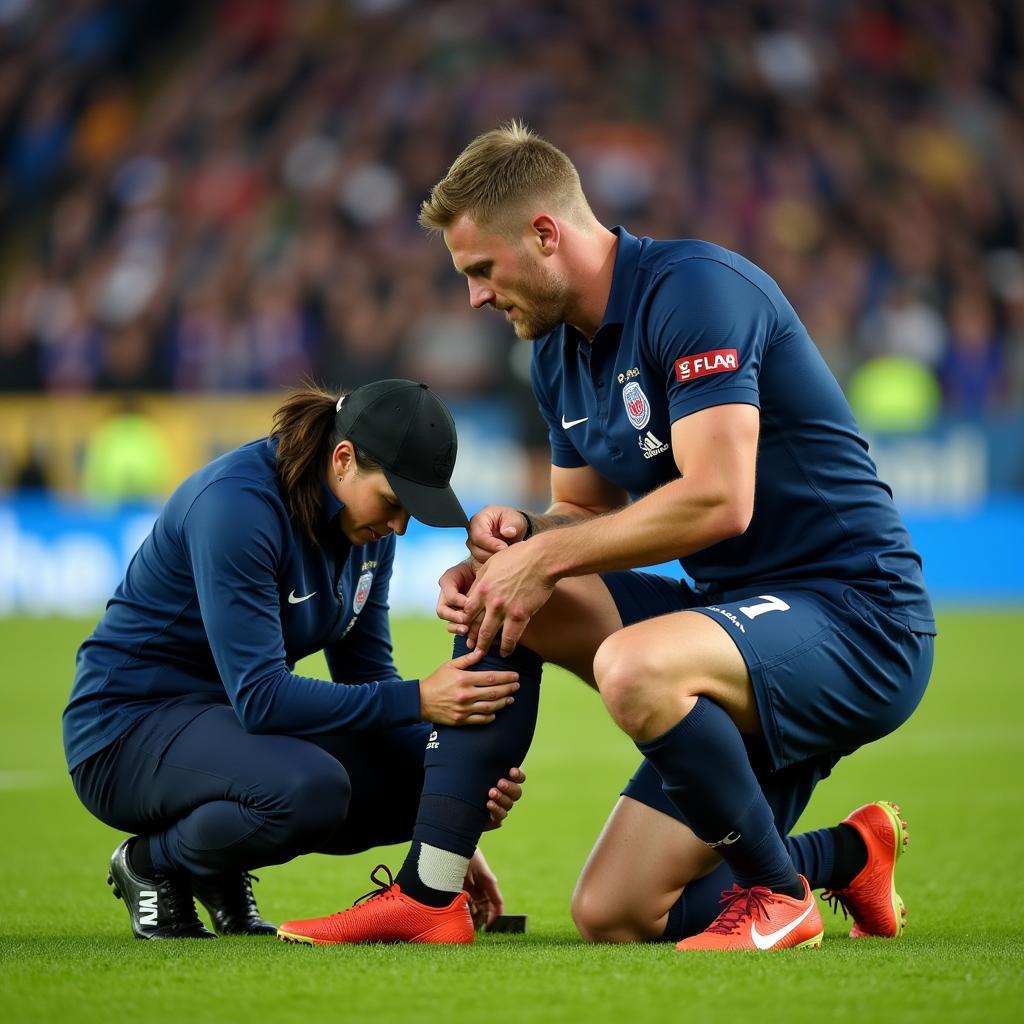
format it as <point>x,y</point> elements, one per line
<point>758,918</point>
<point>385,915</point>
<point>871,898</point>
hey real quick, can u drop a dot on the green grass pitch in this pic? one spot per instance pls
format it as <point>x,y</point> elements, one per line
<point>956,768</point>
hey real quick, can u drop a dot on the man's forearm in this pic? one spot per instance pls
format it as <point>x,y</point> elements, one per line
<point>560,514</point>
<point>672,522</point>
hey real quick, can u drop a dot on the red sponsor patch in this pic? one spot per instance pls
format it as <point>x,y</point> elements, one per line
<point>719,360</point>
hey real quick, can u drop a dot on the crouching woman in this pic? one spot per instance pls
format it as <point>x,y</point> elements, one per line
<point>187,725</point>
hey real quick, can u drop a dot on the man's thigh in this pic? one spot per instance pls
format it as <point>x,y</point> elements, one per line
<point>573,623</point>
<point>635,874</point>
<point>830,671</point>
<point>584,611</point>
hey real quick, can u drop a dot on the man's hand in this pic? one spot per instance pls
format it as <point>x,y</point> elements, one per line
<point>485,900</point>
<point>493,529</point>
<point>454,695</point>
<point>455,583</point>
<point>503,796</point>
<point>508,591</point>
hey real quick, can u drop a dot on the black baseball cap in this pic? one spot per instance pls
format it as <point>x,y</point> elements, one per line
<point>405,427</point>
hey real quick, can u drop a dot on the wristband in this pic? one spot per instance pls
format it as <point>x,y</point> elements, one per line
<point>529,524</point>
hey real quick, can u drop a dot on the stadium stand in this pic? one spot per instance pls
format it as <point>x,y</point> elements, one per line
<point>223,198</point>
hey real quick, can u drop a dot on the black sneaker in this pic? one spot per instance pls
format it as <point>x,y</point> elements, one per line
<point>161,907</point>
<point>231,904</point>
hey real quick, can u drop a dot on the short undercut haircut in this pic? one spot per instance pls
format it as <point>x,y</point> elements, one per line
<point>498,175</point>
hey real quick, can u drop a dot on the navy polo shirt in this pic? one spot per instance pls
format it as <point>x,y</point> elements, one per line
<point>223,597</point>
<point>690,325</point>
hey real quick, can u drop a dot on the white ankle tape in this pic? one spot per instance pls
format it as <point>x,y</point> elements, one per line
<point>441,869</point>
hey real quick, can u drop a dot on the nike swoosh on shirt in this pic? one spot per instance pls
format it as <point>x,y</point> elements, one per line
<point>769,940</point>
<point>566,424</point>
<point>292,599</point>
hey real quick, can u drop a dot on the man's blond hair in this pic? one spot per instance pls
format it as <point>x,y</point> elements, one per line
<point>498,175</point>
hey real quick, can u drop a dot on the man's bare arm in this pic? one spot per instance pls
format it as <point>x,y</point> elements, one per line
<point>716,452</point>
<point>576,494</point>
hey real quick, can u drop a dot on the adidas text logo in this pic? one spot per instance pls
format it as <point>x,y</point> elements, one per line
<point>148,907</point>
<point>651,445</point>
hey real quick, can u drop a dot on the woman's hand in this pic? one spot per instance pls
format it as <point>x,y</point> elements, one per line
<point>501,798</point>
<point>453,695</point>
<point>455,583</point>
<point>485,900</point>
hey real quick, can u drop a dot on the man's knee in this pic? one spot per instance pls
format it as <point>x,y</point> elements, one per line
<point>600,919</point>
<point>627,678</point>
<point>651,674</point>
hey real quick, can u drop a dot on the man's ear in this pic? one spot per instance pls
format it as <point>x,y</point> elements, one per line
<point>546,233</point>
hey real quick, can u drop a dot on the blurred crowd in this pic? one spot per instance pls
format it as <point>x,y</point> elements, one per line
<point>224,197</point>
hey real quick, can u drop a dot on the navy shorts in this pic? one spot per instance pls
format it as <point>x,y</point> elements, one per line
<point>830,670</point>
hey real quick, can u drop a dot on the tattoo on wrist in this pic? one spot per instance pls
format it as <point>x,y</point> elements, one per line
<point>539,524</point>
<point>554,522</point>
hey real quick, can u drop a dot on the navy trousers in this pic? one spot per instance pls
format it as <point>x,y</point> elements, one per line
<point>213,798</point>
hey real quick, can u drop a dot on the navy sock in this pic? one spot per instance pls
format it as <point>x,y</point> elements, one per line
<point>140,859</point>
<point>813,855</point>
<point>463,763</point>
<point>707,774</point>
<point>850,858</point>
<point>829,858</point>
<point>698,905</point>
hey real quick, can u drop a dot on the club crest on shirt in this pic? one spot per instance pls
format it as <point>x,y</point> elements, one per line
<point>362,592</point>
<point>638,409</point>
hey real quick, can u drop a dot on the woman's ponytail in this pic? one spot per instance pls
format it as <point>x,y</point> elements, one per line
<point>304,427</point>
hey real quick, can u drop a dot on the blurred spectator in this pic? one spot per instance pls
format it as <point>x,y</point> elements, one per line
<point>276,334</point>
<point>894,393</point>
<point>904,325</point>
<point>39,143</point>
<point>130,360</point>
<point>973,371</point>
<point>126,459</point>
<point>104,126</point>
<point>20,356</point>
<point>32,473</point>
<point>455,349</point>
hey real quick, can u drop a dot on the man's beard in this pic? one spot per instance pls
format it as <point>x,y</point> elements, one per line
<point>548,296</point>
